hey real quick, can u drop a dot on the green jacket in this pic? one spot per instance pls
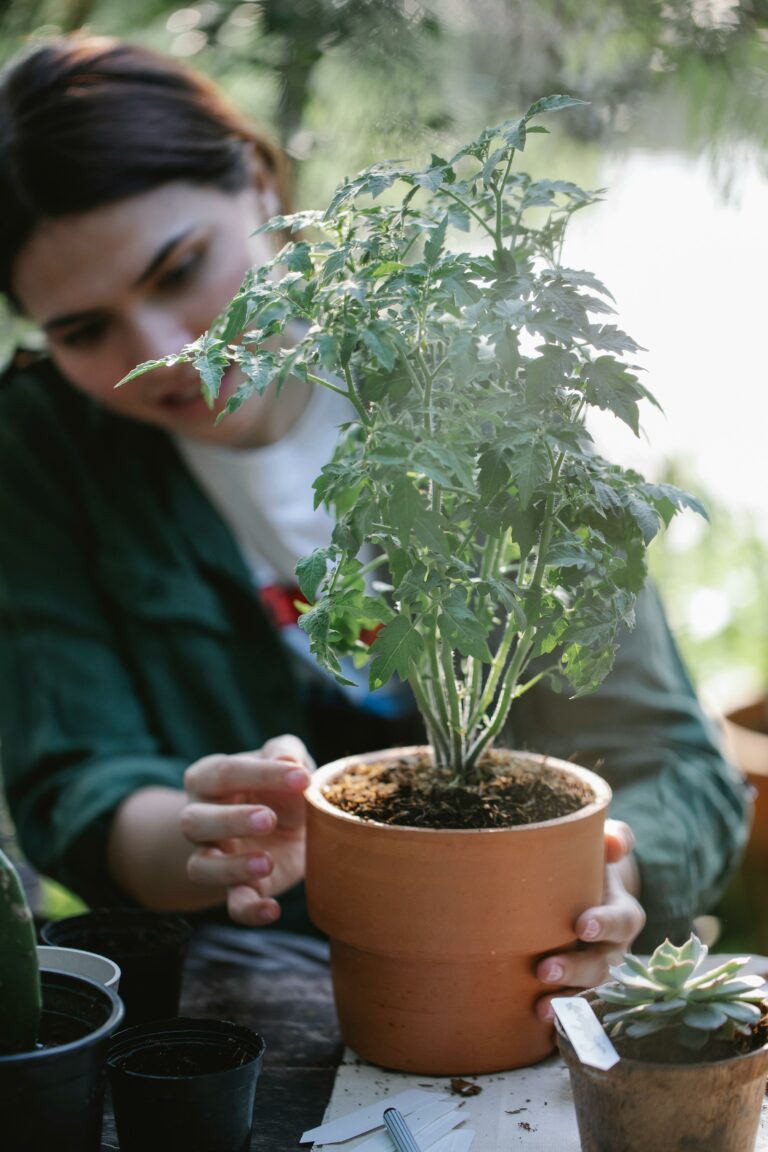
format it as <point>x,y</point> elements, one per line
<point>132,643</point>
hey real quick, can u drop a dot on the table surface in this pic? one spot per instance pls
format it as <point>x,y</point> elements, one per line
<point>292,1007</point>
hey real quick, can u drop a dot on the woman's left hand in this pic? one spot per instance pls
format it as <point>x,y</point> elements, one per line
<point>608,929</point>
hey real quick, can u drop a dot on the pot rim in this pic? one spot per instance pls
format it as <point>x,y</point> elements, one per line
<point>177,1031</point>
<point>123,922</point>
<point>53,958</point>
<point>102,1032</point>
<point>323,775</point>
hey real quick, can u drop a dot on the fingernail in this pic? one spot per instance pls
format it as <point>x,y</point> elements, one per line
<point>297,776</point>
<point>552,973</point>
<point>549,1014</point>
<point>260,821</point>
<point>267,915</point>
<point>591,930</point>
<point>258,866</point>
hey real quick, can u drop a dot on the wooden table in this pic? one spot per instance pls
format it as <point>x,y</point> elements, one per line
<point>294,1013</point>
<point>293,1009</point>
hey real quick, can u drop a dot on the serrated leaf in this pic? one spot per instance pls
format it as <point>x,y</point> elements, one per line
<point>493,475</point>
<point>297,257</point>
<point>311,571</point>
<point>514,132</point>
<point>382,350</point>
<point>396,649</point>
<point>232,322</point>
<point>553,104</point>
<point>434,244</point>
<point>530,468</point>
<point>461,628</point>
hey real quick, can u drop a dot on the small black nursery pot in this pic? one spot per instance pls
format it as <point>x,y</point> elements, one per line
<point>185,1083</point>
<point>53,1096</point>
<point>148,948</point>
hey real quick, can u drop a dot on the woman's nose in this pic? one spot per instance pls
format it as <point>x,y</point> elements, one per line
<point>157,333</point>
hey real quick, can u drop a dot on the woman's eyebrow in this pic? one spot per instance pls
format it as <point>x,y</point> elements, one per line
<point>156,262</point>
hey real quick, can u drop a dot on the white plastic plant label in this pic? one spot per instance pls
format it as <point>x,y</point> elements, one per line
<point>428,1124</point>
<point>366,1119</point>
<point>585,1032</point>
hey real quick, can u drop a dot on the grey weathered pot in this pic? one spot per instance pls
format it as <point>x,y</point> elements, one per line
<point>638,1105</point>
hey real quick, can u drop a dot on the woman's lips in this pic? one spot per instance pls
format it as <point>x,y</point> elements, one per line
<point>189,401</point>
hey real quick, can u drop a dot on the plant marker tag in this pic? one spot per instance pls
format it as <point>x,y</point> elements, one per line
<point>455,1142</point>
<point>585,1032</point>
<point>428,1125</point>
<point>365,1119</point>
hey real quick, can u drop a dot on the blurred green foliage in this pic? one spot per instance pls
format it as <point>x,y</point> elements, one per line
<point>715,582</point>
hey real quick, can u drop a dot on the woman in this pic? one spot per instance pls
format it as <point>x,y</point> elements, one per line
<point>145,551</point>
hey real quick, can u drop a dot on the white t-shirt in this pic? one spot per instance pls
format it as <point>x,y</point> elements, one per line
<point>266,497</point>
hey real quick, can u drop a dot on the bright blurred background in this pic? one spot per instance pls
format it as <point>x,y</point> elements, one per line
<point>677,134</point>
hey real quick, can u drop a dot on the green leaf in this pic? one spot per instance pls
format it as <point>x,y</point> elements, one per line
<point>211,362</point>
<point>396,649</point>
<point>553,104</point>
<point>461,628</point>
<point>232,322</point>
<point>297,257</point>
<point>405,506</point>
<point>530,468</point>
<point>612,387</point>
<point>428,532</point>
<point>514,133</point>
<point>376,341</point>
<point>547,374</point>
<point>434,244</point>
<point>493,476</point>
<point>311,571</point>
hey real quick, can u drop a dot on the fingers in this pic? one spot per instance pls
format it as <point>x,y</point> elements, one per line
<point>213,823</point>
<point>288,748</point>
<point>246,906</point>
<point>618,920</point>
<point>218,869</point>
<point>619,841</point>
<point>220,777</point>
<point>581,969</point>
<point>608,929</point>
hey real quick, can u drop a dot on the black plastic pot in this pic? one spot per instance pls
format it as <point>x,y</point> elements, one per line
<point>185,1083</point>
<point>53,1097</point>
<point>148,948</point>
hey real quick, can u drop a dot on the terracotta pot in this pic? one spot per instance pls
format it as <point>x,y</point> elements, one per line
<point>434,933</point>
<point>638,1105</point>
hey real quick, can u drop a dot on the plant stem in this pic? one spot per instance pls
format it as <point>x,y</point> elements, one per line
<point>447,192</point>
<point>454,705</point>
<point>432,724</point>
<point>348,392</point>
<point>506,696</point>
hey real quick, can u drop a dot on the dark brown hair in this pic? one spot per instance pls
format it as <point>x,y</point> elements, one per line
<point>86,121</point>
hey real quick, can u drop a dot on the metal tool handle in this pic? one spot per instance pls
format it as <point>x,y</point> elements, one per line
<point>401,1134</point>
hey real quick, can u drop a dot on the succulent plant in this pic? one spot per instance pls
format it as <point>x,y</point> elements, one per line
<point>20,996</point>
<point>667,994</point>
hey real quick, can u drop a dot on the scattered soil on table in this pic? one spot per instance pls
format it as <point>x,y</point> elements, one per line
<point>503,792</point>
<point>460,1087</point>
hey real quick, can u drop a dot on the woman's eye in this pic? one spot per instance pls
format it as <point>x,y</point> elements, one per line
<point>181,272</point>
<point>87,334</point>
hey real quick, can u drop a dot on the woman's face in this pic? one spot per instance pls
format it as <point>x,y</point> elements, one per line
<point>136,280</point>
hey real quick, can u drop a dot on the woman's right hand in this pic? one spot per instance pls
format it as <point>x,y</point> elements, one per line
<point>245,820</point>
